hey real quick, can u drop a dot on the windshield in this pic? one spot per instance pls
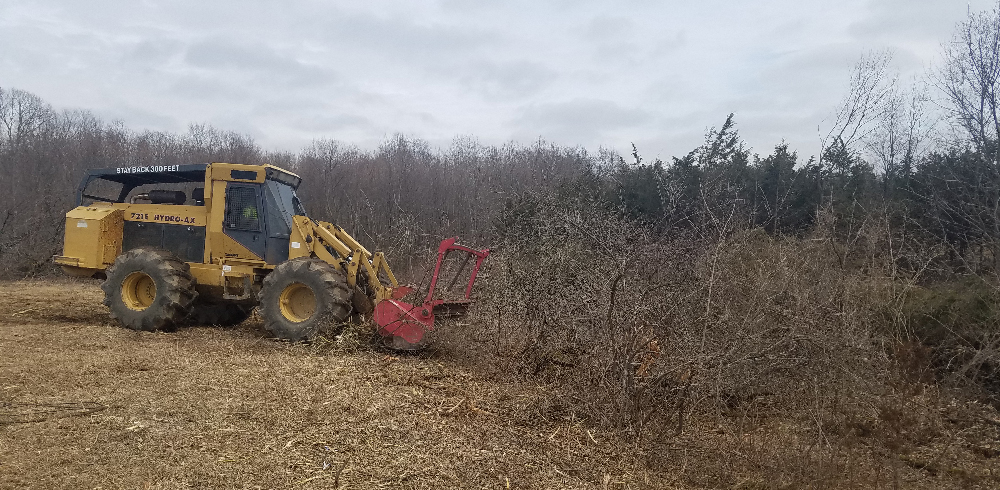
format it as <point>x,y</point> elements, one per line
<point>282,204</point>
<point>101,190</point>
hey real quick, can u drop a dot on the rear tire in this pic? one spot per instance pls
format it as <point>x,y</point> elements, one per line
<point>304,297</point>
<point>149,289</point>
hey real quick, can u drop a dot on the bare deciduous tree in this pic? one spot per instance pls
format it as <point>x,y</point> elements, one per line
<point>868,100</point>
<point>969,79</point>
<point>899,139</point>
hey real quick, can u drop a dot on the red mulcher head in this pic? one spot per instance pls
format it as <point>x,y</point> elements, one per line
<point>402,325</point>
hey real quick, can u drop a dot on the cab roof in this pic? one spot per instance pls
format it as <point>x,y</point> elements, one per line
<point>134,176</point>
<point>155,174</point>
<point>150,174</point>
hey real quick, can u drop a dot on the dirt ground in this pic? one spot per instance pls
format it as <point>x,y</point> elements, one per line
<point>87,404</point>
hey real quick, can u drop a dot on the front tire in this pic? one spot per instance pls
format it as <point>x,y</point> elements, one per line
<point>149,289</point>
<point>303,297</point>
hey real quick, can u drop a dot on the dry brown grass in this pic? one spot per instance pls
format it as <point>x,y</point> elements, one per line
<point>86,404</point>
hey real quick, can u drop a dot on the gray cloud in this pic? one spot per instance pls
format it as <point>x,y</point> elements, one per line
<point>913,19</point>
<point>513,80</point>
<point>577,72</point>
<point>350,36</point>
<point>590,118</point>
<point>153,52</point>
<point>256,61</point>
<point>205,88</point>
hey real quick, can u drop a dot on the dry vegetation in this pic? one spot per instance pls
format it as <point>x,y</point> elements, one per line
<point>86,404</point>
<point>787,362</point>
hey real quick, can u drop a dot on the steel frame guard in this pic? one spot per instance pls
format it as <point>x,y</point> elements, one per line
<point>396,318</point>
<point>449,245</point>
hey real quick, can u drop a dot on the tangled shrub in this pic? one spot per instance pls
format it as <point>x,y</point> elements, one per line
<point>640,329</point>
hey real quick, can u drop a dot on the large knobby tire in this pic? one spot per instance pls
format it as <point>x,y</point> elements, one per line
<point>149,289</point>
<point>220,314</point>
<point>304,297</point>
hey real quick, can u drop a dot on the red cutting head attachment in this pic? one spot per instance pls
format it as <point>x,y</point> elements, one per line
<point>403,325</point>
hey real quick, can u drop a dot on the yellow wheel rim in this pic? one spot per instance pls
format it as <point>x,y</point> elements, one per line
<point>298,302</point>
<point>138,291</point>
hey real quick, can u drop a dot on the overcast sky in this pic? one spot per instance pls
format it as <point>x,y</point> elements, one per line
<point>587,73</point>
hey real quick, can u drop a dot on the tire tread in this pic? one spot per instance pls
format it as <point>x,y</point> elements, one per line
<point>331,290</point>
<point>169,308</point>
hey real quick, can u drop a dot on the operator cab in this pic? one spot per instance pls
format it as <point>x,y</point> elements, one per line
<point>259,204</point>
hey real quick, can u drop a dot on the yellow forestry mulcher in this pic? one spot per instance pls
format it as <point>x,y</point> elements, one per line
<point>205,243</point>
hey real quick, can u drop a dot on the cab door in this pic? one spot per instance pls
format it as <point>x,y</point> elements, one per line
<point>244,218</point>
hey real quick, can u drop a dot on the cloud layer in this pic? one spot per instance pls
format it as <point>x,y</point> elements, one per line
<point>656,73</point>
